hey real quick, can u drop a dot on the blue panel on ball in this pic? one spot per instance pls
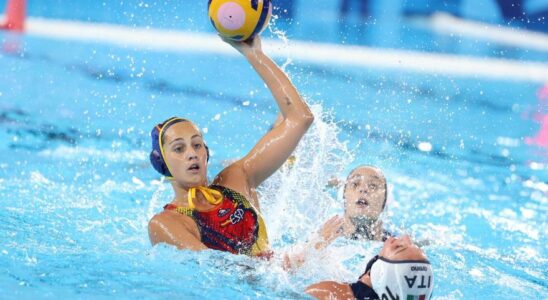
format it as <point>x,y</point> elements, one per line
<point>262,19</point>
<point>237,37</point>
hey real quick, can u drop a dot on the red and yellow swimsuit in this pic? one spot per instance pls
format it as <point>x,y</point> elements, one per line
<point>233,225</point>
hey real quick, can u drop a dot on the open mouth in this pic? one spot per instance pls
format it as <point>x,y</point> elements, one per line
<point>362,202</point>
<point>194,167</point>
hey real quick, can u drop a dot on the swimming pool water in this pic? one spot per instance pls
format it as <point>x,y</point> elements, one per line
<point>319,22</point>
<point>77,190</point>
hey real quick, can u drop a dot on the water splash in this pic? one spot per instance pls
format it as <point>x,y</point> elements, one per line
<point>295,199</point>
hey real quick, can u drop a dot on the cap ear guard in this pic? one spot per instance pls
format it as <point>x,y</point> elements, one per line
<point>402,279</point>
<point>155,156</point>
<point>369,265</point>
<point>158,163</point>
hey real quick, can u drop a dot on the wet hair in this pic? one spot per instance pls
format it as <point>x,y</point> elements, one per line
<point>379,172</point>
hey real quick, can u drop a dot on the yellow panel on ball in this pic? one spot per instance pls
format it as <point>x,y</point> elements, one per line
<point>239,20</point>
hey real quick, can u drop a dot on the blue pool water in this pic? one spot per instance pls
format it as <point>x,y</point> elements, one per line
<point>77,189</point>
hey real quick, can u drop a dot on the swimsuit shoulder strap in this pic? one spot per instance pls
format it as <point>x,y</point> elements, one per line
<point>182,210</point>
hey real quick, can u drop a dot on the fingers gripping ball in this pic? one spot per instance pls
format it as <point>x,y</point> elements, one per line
<point>239,20</point>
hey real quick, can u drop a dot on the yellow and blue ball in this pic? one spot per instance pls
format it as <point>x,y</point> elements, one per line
<point>239,20</point>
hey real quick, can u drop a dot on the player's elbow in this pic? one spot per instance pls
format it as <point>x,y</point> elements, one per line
<point>305,119</point>
<point>308,118</point>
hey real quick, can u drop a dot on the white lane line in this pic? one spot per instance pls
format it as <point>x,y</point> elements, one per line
<point>502,35</point>
<point>318,53</point>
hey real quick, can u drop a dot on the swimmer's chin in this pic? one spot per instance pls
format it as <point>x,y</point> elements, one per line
<point>189,183</point>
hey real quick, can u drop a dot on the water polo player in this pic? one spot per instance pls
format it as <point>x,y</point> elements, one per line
<point>365,193</point>
<point>224,215</point>
<point>400,271</point>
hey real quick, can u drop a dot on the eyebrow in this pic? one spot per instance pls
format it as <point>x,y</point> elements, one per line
<point>376,177</point>
<point>176,140</point>
<point>182,139</point>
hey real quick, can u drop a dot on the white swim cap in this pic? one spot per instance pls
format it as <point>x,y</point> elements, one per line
<point>404,280</point>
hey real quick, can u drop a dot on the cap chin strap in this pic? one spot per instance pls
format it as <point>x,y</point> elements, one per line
<point>404,280</point>
<point>212,196</point>
<point>161,134</point>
